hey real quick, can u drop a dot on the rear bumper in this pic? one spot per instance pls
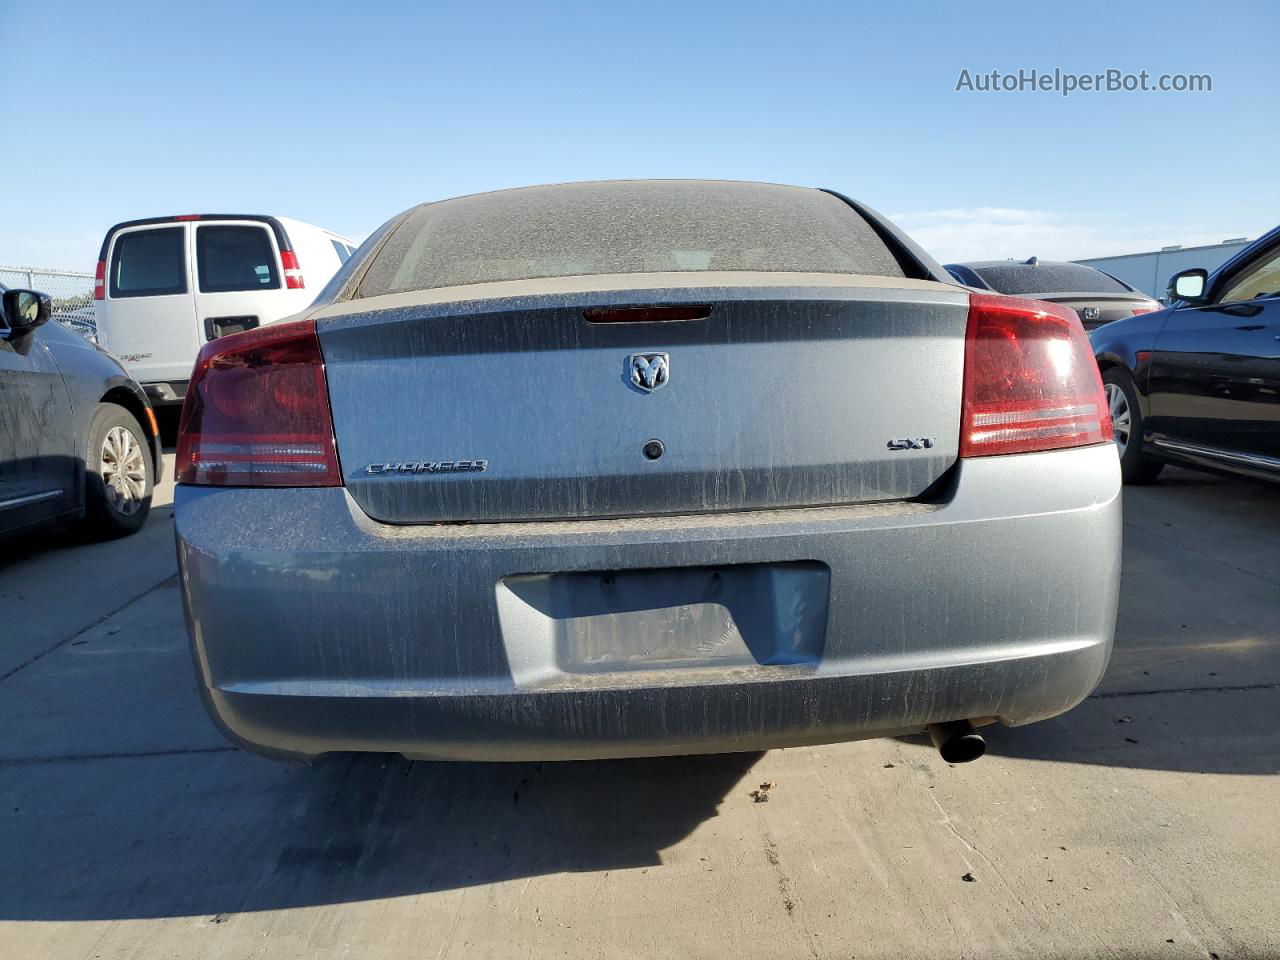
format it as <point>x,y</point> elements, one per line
<point>315,629</point>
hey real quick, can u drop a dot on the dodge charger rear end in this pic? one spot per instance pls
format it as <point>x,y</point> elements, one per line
<point>645,467</point>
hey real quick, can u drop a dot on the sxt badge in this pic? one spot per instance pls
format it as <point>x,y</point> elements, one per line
<point>911,443</point>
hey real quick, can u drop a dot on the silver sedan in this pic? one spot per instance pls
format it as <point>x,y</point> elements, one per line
<point>645,467</point>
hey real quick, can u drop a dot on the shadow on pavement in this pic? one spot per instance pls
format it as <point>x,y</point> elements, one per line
<point>148,837</point>
<point>21,547</point>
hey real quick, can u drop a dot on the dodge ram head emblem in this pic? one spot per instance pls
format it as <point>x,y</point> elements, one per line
<point>649,371</point>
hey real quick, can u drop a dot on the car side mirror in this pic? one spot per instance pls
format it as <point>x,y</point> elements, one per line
<point>24,310</point>
<point>1189,285</point>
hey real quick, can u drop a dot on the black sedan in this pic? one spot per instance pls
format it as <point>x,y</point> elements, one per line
<point>1096,297</point>
<point>78,439</point>
<point>1198,383</point>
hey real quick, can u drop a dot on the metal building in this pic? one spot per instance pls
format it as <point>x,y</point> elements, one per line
<point>1150,272</point>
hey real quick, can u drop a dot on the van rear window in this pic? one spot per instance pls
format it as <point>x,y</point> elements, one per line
<point>231,257</point>
<point>149,263</point>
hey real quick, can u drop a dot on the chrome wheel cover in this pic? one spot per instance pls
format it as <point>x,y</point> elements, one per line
<point>123,470</point>
<point>1121,418</point>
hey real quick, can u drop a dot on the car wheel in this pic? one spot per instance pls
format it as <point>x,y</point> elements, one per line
<point>1126,425</point>
<point>118,473</point>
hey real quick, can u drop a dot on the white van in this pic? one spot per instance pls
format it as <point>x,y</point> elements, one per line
<point>167,285</point>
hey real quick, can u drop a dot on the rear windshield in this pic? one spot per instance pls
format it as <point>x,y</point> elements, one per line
<point>626,227</point>
<point>231,257</point>
<point>1021,279</point>
<point>149,263</point>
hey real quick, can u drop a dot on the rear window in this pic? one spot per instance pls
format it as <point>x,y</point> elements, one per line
<point>1021,279</point>
<point>230,257</point>
<point>149,263</point>
<point>626,227</point>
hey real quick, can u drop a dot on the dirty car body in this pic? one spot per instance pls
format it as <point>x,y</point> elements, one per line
<point>643,468</point>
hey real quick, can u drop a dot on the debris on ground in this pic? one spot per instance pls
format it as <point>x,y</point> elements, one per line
<point>1124,719</point>
<point>218,918</point>
<point>761,793</point>
<point>969,878</point>
<point>1130,740</point>
<point>888,766</point>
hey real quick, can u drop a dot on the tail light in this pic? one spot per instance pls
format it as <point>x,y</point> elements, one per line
<point>1030,379</point>
<point>292,272</point>
<point>100,281</point>
<point>257,412</point>
<point>1146,308</point>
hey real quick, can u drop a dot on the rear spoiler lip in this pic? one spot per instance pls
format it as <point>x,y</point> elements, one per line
<point>277,228</point>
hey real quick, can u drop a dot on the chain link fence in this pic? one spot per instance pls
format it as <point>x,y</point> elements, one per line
<point>71,290</point>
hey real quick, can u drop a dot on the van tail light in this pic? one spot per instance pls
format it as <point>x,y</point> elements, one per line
<point>100,281</point>
<point>257,412</point>
<point>1030,379</point>
<point>292,272</point>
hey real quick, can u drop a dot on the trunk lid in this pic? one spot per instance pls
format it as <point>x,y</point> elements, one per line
<point>793,390</point>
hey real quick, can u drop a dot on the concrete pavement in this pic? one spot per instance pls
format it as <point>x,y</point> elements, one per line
<point>1141,824</point>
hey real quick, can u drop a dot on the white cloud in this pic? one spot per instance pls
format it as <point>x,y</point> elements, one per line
<point>995,233</point>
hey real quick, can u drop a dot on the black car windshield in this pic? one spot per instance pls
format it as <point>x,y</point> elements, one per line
<point>626,227</point>
<point>1022,279</point>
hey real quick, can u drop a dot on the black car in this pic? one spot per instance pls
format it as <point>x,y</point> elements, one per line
<point>1198,383</point>
<point>1096,297</point>
<point>78,439</point>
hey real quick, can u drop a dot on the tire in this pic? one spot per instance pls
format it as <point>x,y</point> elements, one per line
<point>118,474</point>
<point>1126,423</point>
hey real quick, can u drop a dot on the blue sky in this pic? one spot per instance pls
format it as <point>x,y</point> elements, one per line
<point>344,114</point>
